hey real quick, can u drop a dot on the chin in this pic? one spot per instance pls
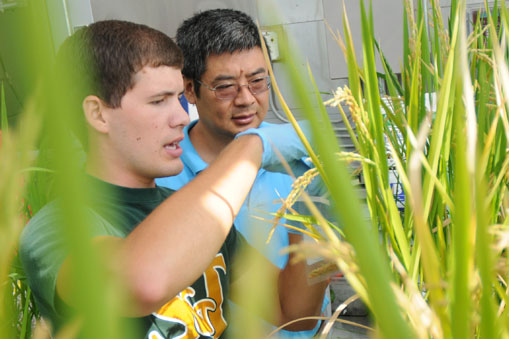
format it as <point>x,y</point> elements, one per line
<point>176,171</point>
<point>245,128</point>
<point>172,170</point>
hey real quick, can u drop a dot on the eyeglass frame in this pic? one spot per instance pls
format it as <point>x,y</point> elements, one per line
<point>214,89</point>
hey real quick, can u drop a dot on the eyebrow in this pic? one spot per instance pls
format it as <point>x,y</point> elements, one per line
<point>164,94</point>
<point>231,77</point>
<point>256,72</point>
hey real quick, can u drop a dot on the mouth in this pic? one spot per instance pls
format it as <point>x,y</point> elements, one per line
<point>172,146</point>
<point>243,119</point>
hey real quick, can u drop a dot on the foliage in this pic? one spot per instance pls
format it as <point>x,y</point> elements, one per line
<point>17,307</point>
<point>438,268</point>
<point>39,162</point>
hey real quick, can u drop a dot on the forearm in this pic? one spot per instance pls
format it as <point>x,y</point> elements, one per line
<point>297,297</point>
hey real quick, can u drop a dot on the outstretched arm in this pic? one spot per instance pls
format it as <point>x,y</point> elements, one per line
<point>178,240</point>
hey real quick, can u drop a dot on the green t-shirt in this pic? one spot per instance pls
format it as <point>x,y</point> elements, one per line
<point>198,311</point>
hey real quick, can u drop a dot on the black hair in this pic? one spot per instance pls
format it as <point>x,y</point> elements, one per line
<point>216,32</point>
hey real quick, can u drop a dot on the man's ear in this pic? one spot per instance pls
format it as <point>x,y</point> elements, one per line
<point>189,91</point>
<point>94,109</point>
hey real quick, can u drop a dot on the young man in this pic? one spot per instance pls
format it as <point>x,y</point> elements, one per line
<point>226,77</point>
<point>131,126</point>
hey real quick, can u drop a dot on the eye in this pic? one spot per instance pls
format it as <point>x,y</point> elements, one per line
<point>223,87</point>
<point>258,85</point>
<point>258,80</point>
<point>157,102</point>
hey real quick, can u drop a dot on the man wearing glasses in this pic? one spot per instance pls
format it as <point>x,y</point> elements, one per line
<point>226,77</point>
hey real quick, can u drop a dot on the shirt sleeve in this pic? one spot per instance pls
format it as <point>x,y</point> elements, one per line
<point>42,251</point>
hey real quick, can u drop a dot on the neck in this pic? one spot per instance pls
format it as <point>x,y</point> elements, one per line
<point>100,165</point>
<point>208,143</point>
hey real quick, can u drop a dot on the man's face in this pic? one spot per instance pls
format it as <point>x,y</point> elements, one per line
<point>246,110</point>
<point>145,131</point>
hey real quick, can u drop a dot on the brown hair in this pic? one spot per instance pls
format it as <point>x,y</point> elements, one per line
<point>102,59</point>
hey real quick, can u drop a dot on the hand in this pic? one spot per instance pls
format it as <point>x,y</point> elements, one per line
<point>284,139</point>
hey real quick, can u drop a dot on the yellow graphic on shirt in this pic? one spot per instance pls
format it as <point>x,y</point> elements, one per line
<point>204,317</point>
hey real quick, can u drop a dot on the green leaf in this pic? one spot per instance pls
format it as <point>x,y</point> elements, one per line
<point>4,123</point>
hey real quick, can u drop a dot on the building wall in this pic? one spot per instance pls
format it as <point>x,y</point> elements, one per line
<point>304,22</point>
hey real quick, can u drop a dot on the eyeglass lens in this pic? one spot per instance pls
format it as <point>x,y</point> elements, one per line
<point>256,86</point>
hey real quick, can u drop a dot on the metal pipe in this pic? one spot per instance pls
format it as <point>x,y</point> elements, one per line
<point>273,107</point>
<point>67,18</point>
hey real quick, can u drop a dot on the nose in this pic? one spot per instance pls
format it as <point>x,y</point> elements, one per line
<point>244,97</point>
<point>179,116</point>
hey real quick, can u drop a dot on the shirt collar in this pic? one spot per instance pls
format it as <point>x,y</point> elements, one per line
<point>190,156</point>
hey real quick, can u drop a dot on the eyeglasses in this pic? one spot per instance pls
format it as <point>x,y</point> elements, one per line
<point>229,90</point>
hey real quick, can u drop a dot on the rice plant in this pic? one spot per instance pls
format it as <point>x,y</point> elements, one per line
<point>433,265</point>
<point>41,161</point>
<point>17,309</point>
<point>436,264</point>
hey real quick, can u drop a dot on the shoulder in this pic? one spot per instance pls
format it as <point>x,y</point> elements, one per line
<point>47,227</point>
<point>43,221</point>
